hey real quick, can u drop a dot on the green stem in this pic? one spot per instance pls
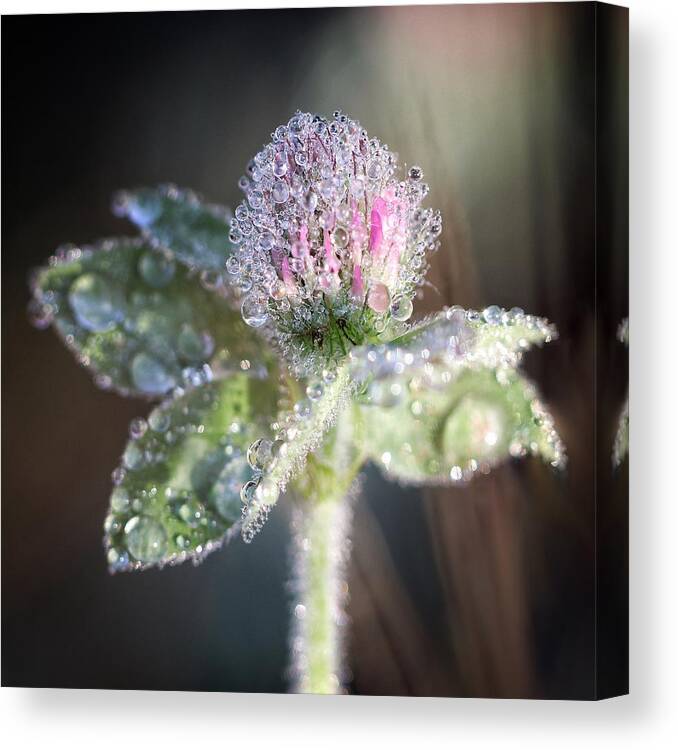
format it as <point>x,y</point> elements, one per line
<point>321,549</point>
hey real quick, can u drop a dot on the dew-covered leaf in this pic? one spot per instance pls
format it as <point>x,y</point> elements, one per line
<point>177,489</point>
<point>142,322</point>
<point>423,435</point>
<point>453,340</point>
<point>170,218</point>
<point>299,432</point>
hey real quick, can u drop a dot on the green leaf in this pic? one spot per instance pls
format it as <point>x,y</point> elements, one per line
<point>177,493</point>
<point>426,435</point>
<point>451,341</point>
<point>170,218</point>
<point>140,321</point>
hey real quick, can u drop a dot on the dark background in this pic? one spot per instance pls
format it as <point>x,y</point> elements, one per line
<point>489,590</point>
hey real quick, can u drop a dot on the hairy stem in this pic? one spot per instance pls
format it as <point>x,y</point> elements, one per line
<point>320,549</point>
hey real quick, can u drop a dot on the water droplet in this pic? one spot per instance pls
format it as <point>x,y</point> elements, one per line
<point>120,500</point>
<point>137,428</point>
<point>456,474</point>
<point>401,308</point>
<point>378,297</point>
<point>233,265</point>
<point>260,454</point>
<point>340,237</point>
<point>117,558</point>
<point>254,312</point>
<point>267,492</point>
<point>492,314</point>
<point>191,512</point>
<point>315,391</point>
<point>280,192</point>
<point>159,420</point>
<point>112,525</point>
<point>302,409</point>
<point>150,376</point>
<point>97,303</point>
<point>133,456</point>
<point>40,314</point>
<point>225,493</point>
<point>146,539</point>
<point>156,269</point>
<point>247,491</point>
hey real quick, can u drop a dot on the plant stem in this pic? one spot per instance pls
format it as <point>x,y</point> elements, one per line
<point>320,549</point>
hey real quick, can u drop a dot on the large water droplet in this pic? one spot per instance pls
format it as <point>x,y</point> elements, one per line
<point>254,312</point>
<point>225,494</point>
<point>401,309</point>
<point>267,492</point>
<point>156,269</point>
<point>146,539</point>
<point>97,303</point>
<point>260,454</point>
<point>149,375</point>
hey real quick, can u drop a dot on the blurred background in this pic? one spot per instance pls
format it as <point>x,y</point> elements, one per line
<point>490,590</point>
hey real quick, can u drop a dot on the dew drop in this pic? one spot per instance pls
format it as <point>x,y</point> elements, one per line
<point>401,309</point>
<point>97,303</point>
<point>159,421</point>
<point>378,297</point>
<point>280,192</point>
<point>302,409</point>
<point>149,375</point>
<point>191,512</point>
<point>315,391</point>
<point>117,559</point>
<point>492,315</point>
<point>267,492</point>
<point>225,493</point>
<point>40,314</point>
<point>120,500</point>
<point>247,491</point>
<point>260,454</point>
<point>146,539</point>
<point>182,541</point>
<point>156,269</point>
<point>137,428</point>
<point>254,312</point>
<point>133,456</point>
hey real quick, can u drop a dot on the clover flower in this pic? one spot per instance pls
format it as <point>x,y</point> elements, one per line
<point>322,261</point>
<point>331,246</point>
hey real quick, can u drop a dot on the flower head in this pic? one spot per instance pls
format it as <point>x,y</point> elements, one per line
<point>331,246</point>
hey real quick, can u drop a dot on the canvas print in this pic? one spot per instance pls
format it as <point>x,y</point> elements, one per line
<point>341,379</point>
